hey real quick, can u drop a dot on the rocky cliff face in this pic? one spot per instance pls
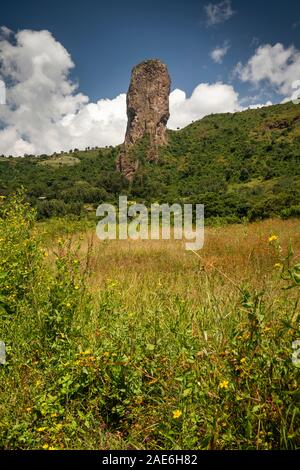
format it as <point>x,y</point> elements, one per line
<point>147,112</point>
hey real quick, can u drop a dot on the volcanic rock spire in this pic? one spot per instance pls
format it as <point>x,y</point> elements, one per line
<point>147,112</point>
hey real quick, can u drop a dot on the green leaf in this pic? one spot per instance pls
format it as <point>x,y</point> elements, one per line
<point>256,408</point>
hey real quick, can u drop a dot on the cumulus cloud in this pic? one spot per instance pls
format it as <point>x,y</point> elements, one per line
<point>277,65</point>
<point>2,92</point>
<point>259,105</point>
<point>253,102</point>
<point>44,111</point>
<point>217,13</point>
<point>205,99</point>
<point>5,32</point>
<point>219,52</point>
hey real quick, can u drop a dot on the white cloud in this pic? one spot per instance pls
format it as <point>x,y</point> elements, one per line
<point>5,32</point>
<point>217,13</point>
<point>277,65</point>
<point>219,52</point>
<point>253,102</point>
<point>45,112</point>
<point>98,124</point>
<point>205,99</point>
<point>259,105</point>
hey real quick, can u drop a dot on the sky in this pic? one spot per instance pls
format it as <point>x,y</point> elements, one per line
<point>66,64</point>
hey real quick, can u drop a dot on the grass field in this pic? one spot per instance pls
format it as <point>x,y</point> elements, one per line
<point>143,345</point>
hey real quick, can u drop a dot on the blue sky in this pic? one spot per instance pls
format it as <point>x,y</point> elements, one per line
<point>202,42</point>
<point>105,39</point>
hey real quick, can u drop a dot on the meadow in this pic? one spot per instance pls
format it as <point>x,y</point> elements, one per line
<point>144,345</point>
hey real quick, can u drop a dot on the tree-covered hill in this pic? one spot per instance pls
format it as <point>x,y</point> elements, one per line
<point>239,165</point>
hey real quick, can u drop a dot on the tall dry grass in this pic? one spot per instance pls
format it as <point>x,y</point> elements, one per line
<point>144,345</point>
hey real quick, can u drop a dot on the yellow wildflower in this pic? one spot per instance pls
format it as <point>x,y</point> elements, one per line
<point>46,446</point>
<point>273,238</point>
<point>177,414</point>
<point>278,265</point>
<point>224,384</point>
<point>243,360</point>
<point>87,352</point>
<point>41,429</point>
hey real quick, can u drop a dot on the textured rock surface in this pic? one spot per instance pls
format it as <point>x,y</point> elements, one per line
<point>147,112</point>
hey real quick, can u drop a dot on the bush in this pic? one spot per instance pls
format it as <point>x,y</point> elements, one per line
<point>20,258</point>
<point>293,211</point>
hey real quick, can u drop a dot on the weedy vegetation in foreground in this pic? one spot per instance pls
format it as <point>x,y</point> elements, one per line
<point>142,345</point>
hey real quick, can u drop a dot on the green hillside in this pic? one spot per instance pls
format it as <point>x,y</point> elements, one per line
<point>243,165</point>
